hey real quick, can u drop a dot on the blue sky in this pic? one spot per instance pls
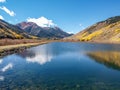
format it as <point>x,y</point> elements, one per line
<point>70,15</point>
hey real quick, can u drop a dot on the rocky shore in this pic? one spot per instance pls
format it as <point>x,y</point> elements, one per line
<point>10,49</point>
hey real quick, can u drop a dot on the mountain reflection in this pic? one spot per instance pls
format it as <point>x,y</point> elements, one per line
<point>40,55</point>
<point>110,59</point>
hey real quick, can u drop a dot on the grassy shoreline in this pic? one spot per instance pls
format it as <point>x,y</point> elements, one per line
<point>10,49</point>
<point>94,42</point>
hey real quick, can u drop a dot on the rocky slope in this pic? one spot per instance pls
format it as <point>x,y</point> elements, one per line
<point>42,32</point>
<point>106,31</point>
<point>11,31</point>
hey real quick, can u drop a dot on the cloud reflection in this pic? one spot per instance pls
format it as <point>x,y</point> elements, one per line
<point>40,55</point>
<point>1,61</point>
<point>9,66</point>
<point>1,78</point>
<point>40,59</point>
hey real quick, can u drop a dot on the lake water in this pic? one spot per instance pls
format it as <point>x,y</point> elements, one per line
<point>62,66</point>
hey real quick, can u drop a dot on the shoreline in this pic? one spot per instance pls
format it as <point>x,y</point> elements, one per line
<point>94,42</point>
<point>11,49</point>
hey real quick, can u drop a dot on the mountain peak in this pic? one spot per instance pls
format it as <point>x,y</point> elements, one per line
<point>42,22</point>
<point>24,25</point>
<point>43,32</point>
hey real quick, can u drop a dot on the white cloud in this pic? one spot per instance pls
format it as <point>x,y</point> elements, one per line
<point>11,13</point>
<point>42,21</point>
<point>71,32</point>
<point>9,66</point>
<point>1,17</point>
<point>2,1</point>
<point>80,25</point>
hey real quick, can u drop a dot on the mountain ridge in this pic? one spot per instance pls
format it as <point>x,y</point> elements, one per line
<point>42,32</point>
<point>29,30</point>
<point>8,30</point>
<point>106,31</point>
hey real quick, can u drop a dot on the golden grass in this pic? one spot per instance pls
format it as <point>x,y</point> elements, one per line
<point>18,36</point>
<point>109,33</point>
<point>4,42</point>
<point>92,35</point>
<point>117,30</point>
<point>15,46</point>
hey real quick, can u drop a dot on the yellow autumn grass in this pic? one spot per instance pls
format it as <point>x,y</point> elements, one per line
<point>90,36</point>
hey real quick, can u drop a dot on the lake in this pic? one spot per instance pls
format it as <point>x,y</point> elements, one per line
<point>62,66</point>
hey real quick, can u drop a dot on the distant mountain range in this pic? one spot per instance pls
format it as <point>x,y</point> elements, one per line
<point>106,31</point>
<point>42,32</point>
<point>29,30</point>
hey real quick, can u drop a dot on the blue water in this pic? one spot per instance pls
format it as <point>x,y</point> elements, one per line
<point>61,66</point>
